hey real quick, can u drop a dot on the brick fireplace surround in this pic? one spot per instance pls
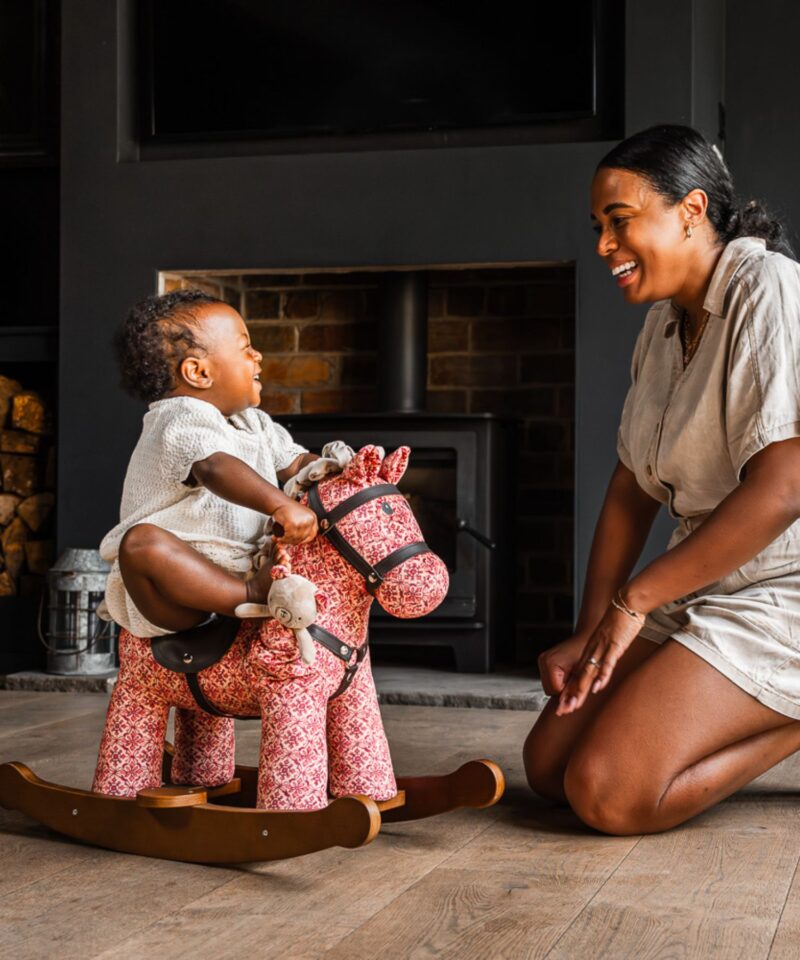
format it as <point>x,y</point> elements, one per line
<point>500,340</point>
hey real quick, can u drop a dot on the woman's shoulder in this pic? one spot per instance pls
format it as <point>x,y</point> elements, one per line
<point>767,275</point>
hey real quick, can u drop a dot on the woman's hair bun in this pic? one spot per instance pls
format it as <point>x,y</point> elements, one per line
<point>755,220</point>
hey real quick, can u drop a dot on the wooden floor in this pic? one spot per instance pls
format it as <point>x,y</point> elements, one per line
<point>522,880</point>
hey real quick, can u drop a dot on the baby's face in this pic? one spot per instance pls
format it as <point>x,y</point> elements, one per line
<point>234,364</point>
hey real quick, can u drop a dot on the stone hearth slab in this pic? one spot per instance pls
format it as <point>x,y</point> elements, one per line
<point>415,686</point>
<point>440,688</point>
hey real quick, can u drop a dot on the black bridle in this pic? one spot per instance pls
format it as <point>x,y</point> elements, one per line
<point>373,574</point>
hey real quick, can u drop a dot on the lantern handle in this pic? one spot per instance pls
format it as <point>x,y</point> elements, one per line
<point>98,635</point>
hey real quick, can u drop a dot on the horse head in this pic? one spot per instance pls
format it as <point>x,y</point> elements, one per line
<point>368,521</point>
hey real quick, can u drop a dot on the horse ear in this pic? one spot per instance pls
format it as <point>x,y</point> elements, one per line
<point>364,466</point>
<point>394,466</point>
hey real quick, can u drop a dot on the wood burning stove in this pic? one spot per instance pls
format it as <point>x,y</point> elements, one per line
<point>461,486</point>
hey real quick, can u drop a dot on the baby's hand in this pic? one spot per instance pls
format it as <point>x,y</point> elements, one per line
<point>298,522</point>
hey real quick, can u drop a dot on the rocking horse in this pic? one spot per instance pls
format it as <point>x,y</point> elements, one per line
<point>324,776</point>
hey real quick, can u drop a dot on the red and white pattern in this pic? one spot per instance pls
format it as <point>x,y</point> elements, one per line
<point>311,747</point>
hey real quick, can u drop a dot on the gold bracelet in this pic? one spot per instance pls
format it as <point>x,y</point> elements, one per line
<point>619,603</point>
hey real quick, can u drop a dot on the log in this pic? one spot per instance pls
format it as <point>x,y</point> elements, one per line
<point>39,555</point>
<point>17,441</point>
<point>28,412</point>
<point>19,473</point>
<point>8,507</point>
<point>8,388</point>
<point>7,586</point>
<point>13,542</point>
<point>36,509</point>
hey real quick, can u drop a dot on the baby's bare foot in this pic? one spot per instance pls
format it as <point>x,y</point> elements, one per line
<point>258,585</point>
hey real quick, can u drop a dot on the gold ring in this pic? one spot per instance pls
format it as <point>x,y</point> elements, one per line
<point>594,663</point>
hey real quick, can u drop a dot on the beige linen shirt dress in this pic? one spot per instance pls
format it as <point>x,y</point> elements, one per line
<point>687,436</point>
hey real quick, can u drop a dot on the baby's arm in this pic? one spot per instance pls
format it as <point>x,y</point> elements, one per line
<point>231,478</point>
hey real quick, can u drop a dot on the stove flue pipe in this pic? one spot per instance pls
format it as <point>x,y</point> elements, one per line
<point>403,342</point>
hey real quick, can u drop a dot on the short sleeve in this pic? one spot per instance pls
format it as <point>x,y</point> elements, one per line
<point>762,402</point>
<point>623,450</point>
<point>192,430</point>
<point>282,447</point>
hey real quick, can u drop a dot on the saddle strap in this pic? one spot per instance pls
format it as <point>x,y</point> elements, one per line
<point>323,637</point>
<point>350,671</point>
<point>343,651</point>
<point>205,704</point>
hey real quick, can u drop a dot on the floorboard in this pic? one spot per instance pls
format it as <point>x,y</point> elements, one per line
<point>522,880</point>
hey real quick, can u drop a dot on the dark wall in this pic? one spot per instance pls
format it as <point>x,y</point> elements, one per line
<point>29,245</point>
<point>122,221</point>
<point>763,105</point>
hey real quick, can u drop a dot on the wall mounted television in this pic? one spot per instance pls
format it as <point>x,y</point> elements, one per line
<point>272,70</point>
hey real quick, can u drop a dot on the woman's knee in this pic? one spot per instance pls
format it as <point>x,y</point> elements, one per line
<point>607,797</point>
<point>543,767</point>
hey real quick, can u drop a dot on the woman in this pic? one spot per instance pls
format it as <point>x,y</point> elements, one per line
<point>682,684</point>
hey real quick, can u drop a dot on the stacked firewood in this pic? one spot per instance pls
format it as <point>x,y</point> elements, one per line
<point>27,479</point>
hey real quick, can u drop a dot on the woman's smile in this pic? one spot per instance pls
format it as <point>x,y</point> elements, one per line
<point>624,272</point>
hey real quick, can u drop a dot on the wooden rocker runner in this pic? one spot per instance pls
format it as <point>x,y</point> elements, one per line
<point>222,825</point>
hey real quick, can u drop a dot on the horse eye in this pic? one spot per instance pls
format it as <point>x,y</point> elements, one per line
<point>387,509</point>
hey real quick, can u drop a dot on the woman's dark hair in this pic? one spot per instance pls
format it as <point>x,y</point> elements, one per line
<point>676,160</point>
<point>155,336</point>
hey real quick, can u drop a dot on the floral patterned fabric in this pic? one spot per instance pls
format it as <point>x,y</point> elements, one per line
<point>311,747</point>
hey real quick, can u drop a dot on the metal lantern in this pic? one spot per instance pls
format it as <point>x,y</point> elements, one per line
<point>77,640</point>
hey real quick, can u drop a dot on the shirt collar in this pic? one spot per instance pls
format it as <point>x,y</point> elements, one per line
<point>733,256</point>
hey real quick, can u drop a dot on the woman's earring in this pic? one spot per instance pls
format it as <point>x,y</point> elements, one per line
<point>688,231</point>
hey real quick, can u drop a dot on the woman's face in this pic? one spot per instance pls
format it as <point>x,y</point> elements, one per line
<point>640,236</point>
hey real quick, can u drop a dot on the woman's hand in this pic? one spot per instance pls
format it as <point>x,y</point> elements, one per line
<point>298,523</point>
<point>610,639</point>
<point>557,663</point>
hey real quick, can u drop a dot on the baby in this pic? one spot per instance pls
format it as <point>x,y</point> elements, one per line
<point>204,473</point>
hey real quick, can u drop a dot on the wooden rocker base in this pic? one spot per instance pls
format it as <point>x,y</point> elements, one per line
<point>189,824</point>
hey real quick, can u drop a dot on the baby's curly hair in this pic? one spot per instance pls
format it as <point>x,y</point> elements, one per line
<point>156,335</point>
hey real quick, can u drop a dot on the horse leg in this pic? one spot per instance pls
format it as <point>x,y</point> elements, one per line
<point>293,765</point>
<point>132,746</point>
<point>204,748</point>
<point>358,752</point>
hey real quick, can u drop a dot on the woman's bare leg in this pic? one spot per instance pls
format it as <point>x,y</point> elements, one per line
<point>552,739</point>
<point>174,586</point>
<point>674,738</point>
